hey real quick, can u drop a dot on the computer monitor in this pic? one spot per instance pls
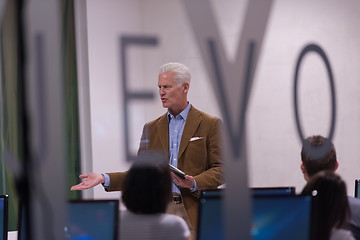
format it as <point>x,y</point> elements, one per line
<point>274,217</point>
<point>22,223</point>
<point>95,219</point>
<point>357,188</point>
<point>210,222</point>
<point>256,191</point>
<point>4,200</point>
<point>271,191</point>
<point>87,219</point>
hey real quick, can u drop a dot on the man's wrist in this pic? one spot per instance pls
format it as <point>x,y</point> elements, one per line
<point>194,188</point>
<point>106,180</point>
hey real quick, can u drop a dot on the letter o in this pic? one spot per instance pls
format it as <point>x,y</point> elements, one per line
<point>315,153</point>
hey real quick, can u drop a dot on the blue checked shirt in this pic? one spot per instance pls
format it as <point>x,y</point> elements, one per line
<point>176,128</point>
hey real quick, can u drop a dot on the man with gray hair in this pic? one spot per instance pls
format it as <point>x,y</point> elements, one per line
<point>190,140</point>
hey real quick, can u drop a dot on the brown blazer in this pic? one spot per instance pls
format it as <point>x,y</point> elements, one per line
<point>199,154</point>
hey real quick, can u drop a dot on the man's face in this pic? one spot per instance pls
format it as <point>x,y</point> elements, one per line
<point>172,95</point>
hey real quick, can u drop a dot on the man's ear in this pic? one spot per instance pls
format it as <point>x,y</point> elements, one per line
<point>186,87</point>
<point>303,170</point>
<point>336,166</point>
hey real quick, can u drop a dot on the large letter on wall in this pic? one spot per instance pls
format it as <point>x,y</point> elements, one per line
<point>46,119</point>
<point>232,83</point>
<point>315,152</point>
<point>127,41</point>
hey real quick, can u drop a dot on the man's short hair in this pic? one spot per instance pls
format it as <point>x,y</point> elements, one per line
<point>182,72</point>
<point>313,165</point>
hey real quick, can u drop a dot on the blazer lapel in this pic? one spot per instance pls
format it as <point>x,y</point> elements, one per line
<point>192,122</point>
<point>163,132</point>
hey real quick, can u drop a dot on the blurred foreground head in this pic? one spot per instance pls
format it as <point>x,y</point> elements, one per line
<point>147,186</point>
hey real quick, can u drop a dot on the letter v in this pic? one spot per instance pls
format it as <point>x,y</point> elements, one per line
<point>230,79</point>
<point>234,80</point>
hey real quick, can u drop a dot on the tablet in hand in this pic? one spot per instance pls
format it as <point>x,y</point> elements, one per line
<point>177,171</point>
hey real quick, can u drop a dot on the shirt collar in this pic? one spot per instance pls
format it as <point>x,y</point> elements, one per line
<point>183,114</point>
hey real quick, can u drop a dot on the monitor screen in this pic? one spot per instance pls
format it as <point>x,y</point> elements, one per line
<point>273,191</point>
<point>87,220</point>
<point>277,218</point>
<point>3,217</point>
<point>93,220</point>
<point>357,188</point>
<point>256,191</point>
<point>22,223</point>
<point>274,217</point>
<point>210,223</point>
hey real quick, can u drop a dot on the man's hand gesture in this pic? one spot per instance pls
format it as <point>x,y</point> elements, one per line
<point>89,180</point>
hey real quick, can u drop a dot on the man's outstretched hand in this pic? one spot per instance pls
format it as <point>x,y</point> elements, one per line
<point>89,180</point>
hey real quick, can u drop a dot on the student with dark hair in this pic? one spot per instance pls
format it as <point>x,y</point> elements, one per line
<point>326,159</point>
<point>146,195</point>
<point>331,207</point>
<point>314,164</point>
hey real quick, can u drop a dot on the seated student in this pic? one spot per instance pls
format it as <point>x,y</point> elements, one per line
<point>331,206</point>
<point>146,195</point>
<point>310,166</point>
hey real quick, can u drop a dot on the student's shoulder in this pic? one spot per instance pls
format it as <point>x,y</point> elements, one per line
<point>172,219</point>
<point>175,222</point>
<point>342,234</point>
<point>354,202</point>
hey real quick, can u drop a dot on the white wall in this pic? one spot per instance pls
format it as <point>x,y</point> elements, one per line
<point>105,20</point>
<point>274,146</point>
